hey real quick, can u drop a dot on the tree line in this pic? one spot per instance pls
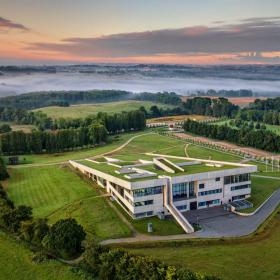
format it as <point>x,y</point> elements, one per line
<point>226,93</point>
<point>216,107</point>
<point>43,99</point>
<point>19,142</point>
<point>260,139</point>
<point>170,98</point>
<point>264,116</point>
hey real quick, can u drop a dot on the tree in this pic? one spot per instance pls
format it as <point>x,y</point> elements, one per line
<point>3,170</point>
<point>12,219</point>
<point>5,128</point>
<point>34,230</point>
<point>65,238</point>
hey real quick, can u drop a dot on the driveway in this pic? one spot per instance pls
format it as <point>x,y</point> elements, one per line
<point>232,225</point>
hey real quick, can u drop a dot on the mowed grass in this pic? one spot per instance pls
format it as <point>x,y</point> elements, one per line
<point>262,188</point>
<point>84,110</point>
<point>98,219</point>
<point>46,188</point>
<point>16,263</point>
<point>251,259</point>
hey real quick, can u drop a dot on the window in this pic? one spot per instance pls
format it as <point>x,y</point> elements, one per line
<point>237,178</point>
<point>180,190</point>
<point>210,192</point>
<point>182,207</point>
<point>209,202</point>
<point>201,186</point>
<point>218,179</point>
<point>237,197</point>
<point>191,189</point>
<point>148,191</point>
<point>144,214</point>
<point>143,203</point>
<point>240,187</point>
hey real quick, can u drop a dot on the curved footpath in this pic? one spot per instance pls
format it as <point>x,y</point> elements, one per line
<point>230,225</point>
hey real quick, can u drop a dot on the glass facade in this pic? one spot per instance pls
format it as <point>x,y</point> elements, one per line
<point>144,214</point>
<point>183,190</point>
<point>182,207</point>
<point>236,178</point>
<point>148,191</point>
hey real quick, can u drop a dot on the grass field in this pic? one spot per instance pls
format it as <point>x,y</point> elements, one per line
<point>84,110</point>
<point>273,128</point>
<point>99,220</point>
<point>256,257</point>
<point>57,192</point>
<point>47,188</point>
<point>17,127</point>
<point>262,188</point>
<point>16,263</point>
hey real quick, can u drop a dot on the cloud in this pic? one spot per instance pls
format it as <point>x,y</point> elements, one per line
<point>6,24</point>
<point>249,35</point>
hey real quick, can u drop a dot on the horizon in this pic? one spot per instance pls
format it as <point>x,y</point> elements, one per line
<point>231,32</point>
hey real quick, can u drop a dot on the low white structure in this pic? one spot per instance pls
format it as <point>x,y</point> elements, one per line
<point>168,185</point>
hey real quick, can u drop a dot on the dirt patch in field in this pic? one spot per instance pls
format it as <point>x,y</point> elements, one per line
<point>227,145</point>
<point>178,118</point>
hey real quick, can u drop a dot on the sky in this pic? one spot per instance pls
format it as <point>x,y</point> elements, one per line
<point>147,31</point>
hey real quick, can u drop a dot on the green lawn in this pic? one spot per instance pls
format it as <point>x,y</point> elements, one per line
<point>97,217</point>
<point>160,227</point>
<point>244,260</point>
<point>84,110</point>
<point>46,188</point>
<point>16,263</point>
<point>262,188</point>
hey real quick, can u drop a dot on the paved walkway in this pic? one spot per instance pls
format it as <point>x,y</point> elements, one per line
<point>227,225</point>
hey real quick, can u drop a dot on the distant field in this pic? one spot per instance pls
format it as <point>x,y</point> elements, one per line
<point>240,101</point>
<point>178,118</point>
<point>16,263</point>
<point>84,110</point>
<point>17,127</point>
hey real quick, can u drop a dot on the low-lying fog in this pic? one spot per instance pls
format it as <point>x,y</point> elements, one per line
<point>11,84</point>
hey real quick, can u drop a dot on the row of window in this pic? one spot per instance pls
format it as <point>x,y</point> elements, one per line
<point>148,191</point>
<point>143,203</point>
<point>210,192</point>
<point>241,187</point>
<point>144,214</point>
<point>182,207</point>
<point>236,178</point>
<point>237,197</point>
<point>209,202</point>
